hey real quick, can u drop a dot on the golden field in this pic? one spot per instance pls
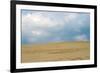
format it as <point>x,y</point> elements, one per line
<point>62,51</point>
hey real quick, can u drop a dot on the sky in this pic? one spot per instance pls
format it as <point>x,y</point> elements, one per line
<point>54,26</point>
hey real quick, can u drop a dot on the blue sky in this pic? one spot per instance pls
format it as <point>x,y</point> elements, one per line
<point>49,26</point>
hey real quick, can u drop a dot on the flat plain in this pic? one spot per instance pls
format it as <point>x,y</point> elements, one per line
<point>58,51</point>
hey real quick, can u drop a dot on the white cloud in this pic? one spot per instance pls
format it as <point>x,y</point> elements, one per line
<point>70,17</point>
<point>39,33</point>
<point>39,20</point>
<point>36,32</point>
<point>76,21</point>
<point>34,24</point>
<point>81,38</point>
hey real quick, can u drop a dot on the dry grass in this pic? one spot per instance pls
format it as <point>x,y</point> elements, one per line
<point>62,51</point>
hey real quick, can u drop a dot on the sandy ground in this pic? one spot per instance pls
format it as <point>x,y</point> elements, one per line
<point>63,51</point>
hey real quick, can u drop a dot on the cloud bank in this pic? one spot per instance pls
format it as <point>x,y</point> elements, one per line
<point>44,27</point>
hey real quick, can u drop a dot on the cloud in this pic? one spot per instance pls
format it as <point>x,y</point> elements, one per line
<point>70,17</point>
<point>40,32</point>
<point>36,23</point>
<point>77,21</point>
<point>81,38</point>
<point>37,32</point>
<point>39,20</point>
<point>38,26</point>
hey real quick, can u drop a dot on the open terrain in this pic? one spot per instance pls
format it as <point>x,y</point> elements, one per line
<point>61,51</point>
